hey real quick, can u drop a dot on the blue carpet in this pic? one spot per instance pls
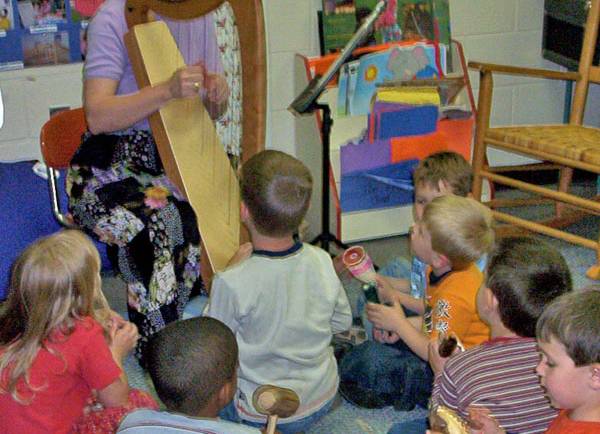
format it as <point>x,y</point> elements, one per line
<point>26,214</point>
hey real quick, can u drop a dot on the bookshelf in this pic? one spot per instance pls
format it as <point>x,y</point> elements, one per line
<point>364,224</point>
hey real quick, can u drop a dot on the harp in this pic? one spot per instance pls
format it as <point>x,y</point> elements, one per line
<point>186,136</point>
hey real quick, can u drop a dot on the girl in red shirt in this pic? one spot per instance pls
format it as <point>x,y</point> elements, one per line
<point>61,347</point>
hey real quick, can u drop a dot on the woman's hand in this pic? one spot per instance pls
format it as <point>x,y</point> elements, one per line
<point>187,81</point>
<point>217,89</point>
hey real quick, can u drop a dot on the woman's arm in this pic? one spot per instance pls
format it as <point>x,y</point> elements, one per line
<point>107,112</point>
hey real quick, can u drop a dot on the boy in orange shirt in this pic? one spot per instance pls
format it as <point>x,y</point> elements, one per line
<point>453,234</point>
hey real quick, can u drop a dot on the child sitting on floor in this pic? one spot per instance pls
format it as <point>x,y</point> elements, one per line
<point>439,174</point>
<point>568,334</point>
<point>524,275</point>
<point>453,234</point>
<point>61,361</point>
<point>283,302</point>
<point>193,366</point>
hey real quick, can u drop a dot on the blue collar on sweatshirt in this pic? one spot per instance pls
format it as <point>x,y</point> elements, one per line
<point>281,253</point>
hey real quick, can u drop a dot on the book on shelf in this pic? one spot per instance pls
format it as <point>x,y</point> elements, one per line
<point>7,17</point>
<point>402,20</point>
<point>372,154</point>
<point>41,12</point>
<point>360,79</point>
<point>46,48</point>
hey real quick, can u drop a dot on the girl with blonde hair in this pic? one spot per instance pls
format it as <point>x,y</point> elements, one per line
<point>61,347</point>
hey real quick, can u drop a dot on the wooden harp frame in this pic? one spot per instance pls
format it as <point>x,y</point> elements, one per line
<point>251,30</point>
<point>250,27</point>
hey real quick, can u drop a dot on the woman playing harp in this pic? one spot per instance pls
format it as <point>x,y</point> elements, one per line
<point>117,187</point>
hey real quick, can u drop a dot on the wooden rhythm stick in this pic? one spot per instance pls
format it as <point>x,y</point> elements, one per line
<point>275,402</point>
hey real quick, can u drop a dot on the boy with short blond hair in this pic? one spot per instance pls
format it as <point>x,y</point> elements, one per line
<point>452,234</point>
<point>437,175</point>
<point>284,300</point>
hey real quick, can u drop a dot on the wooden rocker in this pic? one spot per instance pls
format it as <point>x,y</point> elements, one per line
<point>566,147</point>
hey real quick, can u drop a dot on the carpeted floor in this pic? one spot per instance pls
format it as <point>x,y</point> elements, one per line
<point>26,215</point>
<point>346,418</point>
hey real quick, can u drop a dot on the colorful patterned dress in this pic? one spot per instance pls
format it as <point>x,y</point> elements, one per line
<point>118,191</point>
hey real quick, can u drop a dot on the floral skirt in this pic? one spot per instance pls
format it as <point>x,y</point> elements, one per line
<point>118,193</point>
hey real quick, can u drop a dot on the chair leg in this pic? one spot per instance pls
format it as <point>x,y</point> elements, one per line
<point>594,271</point>
<point>564,182</point>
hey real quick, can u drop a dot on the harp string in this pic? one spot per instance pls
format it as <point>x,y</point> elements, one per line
<point>212,40</point>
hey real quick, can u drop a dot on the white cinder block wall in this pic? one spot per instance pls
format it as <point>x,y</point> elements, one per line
<point>505,31</point>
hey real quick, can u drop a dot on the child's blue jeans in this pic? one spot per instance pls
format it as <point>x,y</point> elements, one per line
<point>375,375</point>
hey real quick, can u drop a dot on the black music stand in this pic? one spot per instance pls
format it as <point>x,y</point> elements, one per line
<point>306,103</point>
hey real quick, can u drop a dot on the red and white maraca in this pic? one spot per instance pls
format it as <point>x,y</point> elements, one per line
<point>359,264</point>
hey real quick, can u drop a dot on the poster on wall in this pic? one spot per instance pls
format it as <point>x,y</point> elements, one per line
<point>46,48</point>
<point>41,12</point>
<point>7,19</point>
<point>402,20</point>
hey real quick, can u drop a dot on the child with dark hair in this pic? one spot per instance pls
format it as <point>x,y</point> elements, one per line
<point>524,275</point>
<point>283,301</point>
<point>194,380</point>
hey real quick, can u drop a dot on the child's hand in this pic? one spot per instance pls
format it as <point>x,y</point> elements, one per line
<point>385,337</point>
<point>116,318</point>
<point>385,291</point>
<point>482,422</point>
<point>243,253</point>
<point>390,318</point>
<point>123,339</point>
<point>436,361</point>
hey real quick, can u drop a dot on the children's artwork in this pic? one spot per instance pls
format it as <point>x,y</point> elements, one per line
<point>46,48</point>
<point>7,19</point>
<point>84,9</point>
<point>346,86</point>
<point>382,187</point>
<point>400,62</point>
<point>41,12</point>
<point>26,13</point>
<point>401,20</point>
<point>339,23</point>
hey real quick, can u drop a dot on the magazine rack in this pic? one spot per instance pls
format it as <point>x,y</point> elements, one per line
<point>369,223</point>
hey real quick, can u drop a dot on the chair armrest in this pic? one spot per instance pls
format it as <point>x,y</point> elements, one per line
<point>518,70</point>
